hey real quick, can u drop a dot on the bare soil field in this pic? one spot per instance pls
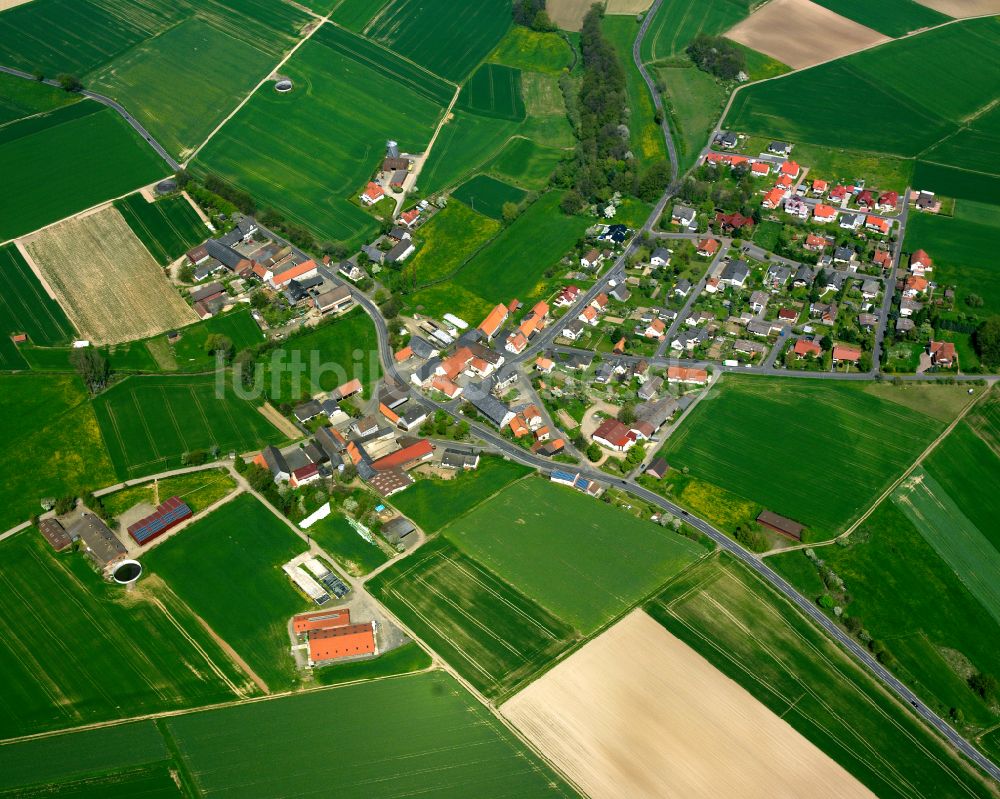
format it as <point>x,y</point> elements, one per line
<point>569,14</point>
<point>963,8</point>
<point>105,279</point>
<point>636,712</point>
<point>800,33</point>
<point>5,4</point>
<point>628,6</point>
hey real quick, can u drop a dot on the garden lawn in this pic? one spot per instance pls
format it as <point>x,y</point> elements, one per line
<point>260,750</point>
<point>150,422</point>
<point>309,152</point>
<point>46,417</point>
<point>74,650</point>
<point>168,227</point>
<point>343,543</point>
<point>585,561</point>
<point>756,637</point>
<point>52,169</point>
<point>433,503</point>
<point>770,439</point>
<point>488,195</point>
<point>447,241</point>
<point>332,354</point>
<point>448,40</point>
<point>227,568</point>
<point>496,638</point>
<point>962,253</point>
<point>526,49</point>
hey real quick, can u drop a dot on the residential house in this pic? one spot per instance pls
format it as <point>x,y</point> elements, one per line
<point>844,255</point>
<point>824,213</point>
<point>658,468</point>
<point>851,221</point>
<point>758,301</point>
<point>732,222</point>
<point>914,285</point>
<point>796,207</point>
<point>650,388</point>
<point>686,376</point>
<point>826,313</point>
<point>614,435</point>
<point>655,330</point>
<point>334,301</point>
<point>867,321</point>
<point>350,270</point>
<point>660,257</point>
<point>460,458</point>
<point>372,194</point>
<point>942,354</point>
<point>727,140</point>
<point>777,276</point>
<point>878,224</point>
<point>683,216</point>
<point>409,218</point>
<point>689,340</point>
<point>804,347</point>
<point>845,354</point>
<point>908,307</point>
<point>567,296</point>
<point>683,287</point>
<point>790,168</point>
<point>887,201</point>
<point>804,276</point>
<point>779,148</point>
<point>592,259</point>
<point>921,263</point>
<point>490,408</point>
<point>815,243</point>
<point>819,187</point>
<point>883,259</point>
<point>774,197</point>
<point>760,169</point>
<point>707,247</point>
<point>749,348</point>
<point>735,273</point>
<point>870,289</point>
<point>865,200</point>
<point>573,330</point>
<point>400,252</point>
<point>788,316</point>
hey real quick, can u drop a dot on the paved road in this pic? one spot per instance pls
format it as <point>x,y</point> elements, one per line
<point>696,290</point>
<point>103,100</point>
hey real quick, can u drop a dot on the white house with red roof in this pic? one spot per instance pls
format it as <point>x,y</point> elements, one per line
<point>372,194</point>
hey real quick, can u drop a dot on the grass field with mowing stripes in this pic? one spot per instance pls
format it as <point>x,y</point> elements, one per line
<point>583,560</point>
<point>75,650</point>
<point>168,227</point>
<point>749,428</point>
<point>496,637</point>
<point>150,422</point>
<point>736,621</point>
<point>227,568</point>
<point>488,195</point>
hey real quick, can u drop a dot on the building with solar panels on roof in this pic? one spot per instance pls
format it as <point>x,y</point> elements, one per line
<point>169,514</point>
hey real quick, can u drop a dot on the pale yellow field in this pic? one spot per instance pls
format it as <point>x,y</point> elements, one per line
<point>568,14</point>
<point>800,33</point>
<point>105,279</point>
<point>638,713</point>
<point>628,6</point>
<point>5,4</point>
<point>963,8</point>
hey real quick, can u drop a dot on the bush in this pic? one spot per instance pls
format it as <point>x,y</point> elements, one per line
<point>717,56</point>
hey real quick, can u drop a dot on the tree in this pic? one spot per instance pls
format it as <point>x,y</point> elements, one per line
<point>218,344</point>
<point>594,452</point>
<point>510,212</point>
<point>984,684</point>
<point>636,454</point>
<point>973,300</point>
<point>526,11</point>
<point>186,274</point>
<point>543,22</point>
<point>986,340</point>
<point>717,55</point>
<point>246,368</point>
<point>64,505</point>
<point>92,367</point>
<point>38,75</point>
<point>654,181</point>
<point>627,414</point>
<point>69,83</point>
<point>572,202</point>
<point>259,478</point>
<point>826,342</point>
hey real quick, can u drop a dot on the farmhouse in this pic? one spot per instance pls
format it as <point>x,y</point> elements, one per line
<point>686,376</point>
<point>780,524</point>
<point>390,481</point>
<point>494,321</point>
<point>99,542</point>
<point>372,194</point>
<point>614,435</point>
<point>330,636</point>
<point>53,532</point>
<point>270,458</point>
<point>334,301</point>
<point>168,515</point>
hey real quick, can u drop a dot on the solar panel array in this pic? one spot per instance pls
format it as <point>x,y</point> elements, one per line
<point>167,515</point>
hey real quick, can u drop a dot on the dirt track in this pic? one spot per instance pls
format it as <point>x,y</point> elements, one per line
<point>638,713</point>
<point>800,33</point>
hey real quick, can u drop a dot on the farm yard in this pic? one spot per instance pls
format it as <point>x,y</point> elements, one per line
<point>548,541</point>
<point>751,634</point>
<point>117,656</point>
<point>947,101</point>
<point>150,422</point>
<point>274,149</point>
<point>51,168</point>
<point>25,307</point>
<point>227,568</point>
<point>168,228</point>
<point>49,408</point>
<point>754,426</point>
<point>432,504</point>
<point>662,721</point>
<point>461,748</point>
<point>496,637</point>
<point>448,41</point>
<point>106,280</point>
<point>490,194</point>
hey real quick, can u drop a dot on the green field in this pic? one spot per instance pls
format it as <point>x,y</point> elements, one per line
<point>21,98</point>
<point>47,417</point>
<point>732,618</point>
<point>493,91</point>
<point>488,195</point>
<point>188,354</point>
<point>182,83</point>
<point>962,253</point>
<point>52,168</point>
<point>525,162</point>
<point>149,782</point>
<point>838,165</point>
<point>916,78</point>
<point>198,489</point>
<point>531,50</point>
<point>169,227</point>
<point>132,356</point>
<point>648,144</point>
<point>678,22</point>
<point>432,504</point>
<point>308,153</point>
<point>695,100</point>
<point>447,240</point>
<point>342,542</point>
<point>25,307</point>
<point>74,650</point>
<point>540,236</point>
<point>891,17</point>
<point>149,422</point>
<point>953,182</point>
<point>227,568</point>
<point>954,537</point>
<point>330,355</point>
<point>354,14</point>
<point>749,428</point>
<point>404,659</point>
<point>583,560</point>
<point>453,746</point>
<point>497,638</point>
<point>760,66</point>
<point>447,40</point>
